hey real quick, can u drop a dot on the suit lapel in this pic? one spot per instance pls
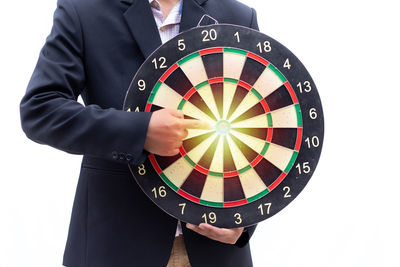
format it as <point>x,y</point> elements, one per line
<point>142,25</point>
<point>191,14</point>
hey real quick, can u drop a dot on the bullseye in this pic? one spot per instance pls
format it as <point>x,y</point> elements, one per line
<point>223,127</point>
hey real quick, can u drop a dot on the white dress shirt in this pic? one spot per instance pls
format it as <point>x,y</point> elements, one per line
<point>168,29</point>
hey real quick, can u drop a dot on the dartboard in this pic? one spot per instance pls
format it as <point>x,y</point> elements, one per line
<point>266,117</point>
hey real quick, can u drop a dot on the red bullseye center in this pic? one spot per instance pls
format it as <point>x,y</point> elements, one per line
<point>223,127</point>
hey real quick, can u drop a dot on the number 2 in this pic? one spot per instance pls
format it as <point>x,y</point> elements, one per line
<point>287,192</point>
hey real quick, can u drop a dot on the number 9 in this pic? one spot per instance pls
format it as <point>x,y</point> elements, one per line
<point>142,85</point>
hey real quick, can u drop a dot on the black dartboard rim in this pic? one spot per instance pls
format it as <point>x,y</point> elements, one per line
<point>297,93</point>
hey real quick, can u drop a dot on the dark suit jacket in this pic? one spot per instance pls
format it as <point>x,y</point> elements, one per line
<point>94,49</point>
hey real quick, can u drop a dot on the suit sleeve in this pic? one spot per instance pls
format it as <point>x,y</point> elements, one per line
<point>50,113</point>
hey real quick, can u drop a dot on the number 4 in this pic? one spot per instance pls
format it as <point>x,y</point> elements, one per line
<point>287,64</point>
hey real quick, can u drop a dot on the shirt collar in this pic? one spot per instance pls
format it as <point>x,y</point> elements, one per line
<point>155,4</point>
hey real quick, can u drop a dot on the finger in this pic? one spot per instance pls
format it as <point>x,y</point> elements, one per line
<point>170,153</point>
<point>185,134</point>
<point>198,230</point>
<point>178,145</point>
<point>210,228</point>
<point>225,235</point>
<point>196,124</point>
<point>176,113</point>
<point>210,232</point>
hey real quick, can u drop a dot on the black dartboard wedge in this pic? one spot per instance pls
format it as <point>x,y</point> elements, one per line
<point>267,120</point>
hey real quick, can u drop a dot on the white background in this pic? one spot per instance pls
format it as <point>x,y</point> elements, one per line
<point>348,215</point>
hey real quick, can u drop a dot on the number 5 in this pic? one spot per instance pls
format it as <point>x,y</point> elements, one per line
<point>181,45</point>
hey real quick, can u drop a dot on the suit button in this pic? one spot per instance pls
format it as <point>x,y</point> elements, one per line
<point>122,156</point>
<point>114,155</point>
<point>129,157</point>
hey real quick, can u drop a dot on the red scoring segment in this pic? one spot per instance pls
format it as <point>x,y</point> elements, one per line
<point>245,85</point>
<point>231,174</point>
<point>155,164</point>
<point>298,139</point>
<point>202,170</point>
<point>265,105</point>
<point>277,181</point>
<point>148,107</point>
<point>270,134</point>
<point>236,203</point>
<point>291,92</point>
<point>168,72</point>
<point>189,94</point>
<point>211,50</point>
<point>188,196</point>
<point>258,58</point>
<point>216,80</point>
<point>256,160</point>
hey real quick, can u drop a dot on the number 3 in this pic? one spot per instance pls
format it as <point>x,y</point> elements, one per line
<point>238,218</point>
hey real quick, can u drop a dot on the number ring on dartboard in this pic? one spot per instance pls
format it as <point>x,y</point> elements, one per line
<point>266,118</point>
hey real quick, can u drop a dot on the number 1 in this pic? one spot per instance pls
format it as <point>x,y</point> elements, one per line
<point>237,36</point>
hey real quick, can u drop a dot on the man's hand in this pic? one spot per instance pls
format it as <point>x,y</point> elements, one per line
<point>166,131</point>
<point>228,236</point>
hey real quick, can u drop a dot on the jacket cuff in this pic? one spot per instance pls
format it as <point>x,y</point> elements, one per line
<point>245,237</point>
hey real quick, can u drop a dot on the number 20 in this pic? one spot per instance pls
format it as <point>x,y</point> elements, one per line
<point>209,35</point>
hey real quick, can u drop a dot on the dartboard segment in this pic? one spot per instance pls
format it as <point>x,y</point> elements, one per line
<point>266,118</point>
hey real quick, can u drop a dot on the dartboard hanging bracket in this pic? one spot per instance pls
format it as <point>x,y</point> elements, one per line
<point>207,16</point>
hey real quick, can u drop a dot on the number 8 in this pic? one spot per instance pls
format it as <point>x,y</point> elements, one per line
<point>141,170</point>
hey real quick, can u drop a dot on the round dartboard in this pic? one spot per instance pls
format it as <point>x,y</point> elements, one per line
<point>266,117</point>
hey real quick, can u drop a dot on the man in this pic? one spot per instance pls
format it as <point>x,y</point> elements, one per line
<point>94,50</point>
